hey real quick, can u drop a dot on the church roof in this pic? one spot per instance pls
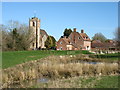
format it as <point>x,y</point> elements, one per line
<point>43,32</point>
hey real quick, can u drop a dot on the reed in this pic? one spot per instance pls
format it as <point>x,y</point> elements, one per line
<point>56,67</point>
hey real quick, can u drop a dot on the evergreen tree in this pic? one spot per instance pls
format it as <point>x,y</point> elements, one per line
<point>67,32</point>
<point>50,43</point>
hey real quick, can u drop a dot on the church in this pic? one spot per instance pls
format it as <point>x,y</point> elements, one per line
<point>39,34</point>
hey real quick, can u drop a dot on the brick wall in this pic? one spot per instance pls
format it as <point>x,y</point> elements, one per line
<point>61,44</point>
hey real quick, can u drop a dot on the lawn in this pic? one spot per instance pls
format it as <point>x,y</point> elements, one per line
<point>109,57</point>
<point>107,82</point>
<point>12,58</point>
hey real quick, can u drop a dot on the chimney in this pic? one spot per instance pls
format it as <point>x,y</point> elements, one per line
<point>82,31</point>
<point>74,29</point>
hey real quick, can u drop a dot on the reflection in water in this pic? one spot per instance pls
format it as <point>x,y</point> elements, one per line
<point>79,61</point>
<point>43,80</point>
<point>29,83</point>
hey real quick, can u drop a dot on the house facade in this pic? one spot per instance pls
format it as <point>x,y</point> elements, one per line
<point>75,41</point>
<point>39,35</point>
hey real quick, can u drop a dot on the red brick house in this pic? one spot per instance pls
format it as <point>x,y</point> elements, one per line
<point>109,45</point>
<point>75,41</point>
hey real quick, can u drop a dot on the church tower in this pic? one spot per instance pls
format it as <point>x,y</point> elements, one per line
<point>34,25</point>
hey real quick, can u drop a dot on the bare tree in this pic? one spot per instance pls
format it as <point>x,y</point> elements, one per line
<point>99,36</point>
<point>4,36</point>
<point>16,36</point>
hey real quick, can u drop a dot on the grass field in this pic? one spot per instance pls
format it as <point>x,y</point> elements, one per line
<point>12,58</point>
<point>110,57</point>
<point>82,82</point>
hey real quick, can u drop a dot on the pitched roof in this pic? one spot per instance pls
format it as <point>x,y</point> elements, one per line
<point>85,36</point>
<point>43,32</point>
<point>99,44</point>
<point>66,40</point>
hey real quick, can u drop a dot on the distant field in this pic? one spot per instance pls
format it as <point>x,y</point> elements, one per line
<point>12,58</point>
<point>111,57</point>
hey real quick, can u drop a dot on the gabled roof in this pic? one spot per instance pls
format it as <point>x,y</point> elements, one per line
<point>66,40</point>
<point>85,36</point>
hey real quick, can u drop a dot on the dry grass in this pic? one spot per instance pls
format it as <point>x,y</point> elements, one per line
<point>56,67</point>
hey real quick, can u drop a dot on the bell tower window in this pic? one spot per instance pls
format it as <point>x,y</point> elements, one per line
<point>34,23</point>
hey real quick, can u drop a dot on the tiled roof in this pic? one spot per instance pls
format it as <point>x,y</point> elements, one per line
<point>43,32</point>
<point>66,40</point>
<point>99,44</point>
<point>85,36</point>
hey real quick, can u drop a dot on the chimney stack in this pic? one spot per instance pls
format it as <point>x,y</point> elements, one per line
<point>82,31</point>
<point>74,29</point>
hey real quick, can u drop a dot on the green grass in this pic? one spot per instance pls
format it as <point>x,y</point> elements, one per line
<point>111,57</point>
<point>12,58</point>
<point>107,82</point>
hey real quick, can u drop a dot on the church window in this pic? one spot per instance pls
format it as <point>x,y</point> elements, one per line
<point>34,24</point>
<point>33,44</point>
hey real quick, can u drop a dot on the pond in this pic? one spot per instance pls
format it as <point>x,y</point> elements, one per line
<point>44,79</point>
<point>29,83</point>
<point>79,61</point>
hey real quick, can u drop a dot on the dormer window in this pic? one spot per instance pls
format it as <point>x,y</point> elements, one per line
<point>61,42</point>
<point>86,37</point>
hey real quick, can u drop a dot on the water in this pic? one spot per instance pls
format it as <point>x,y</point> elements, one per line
<point>79,61</point>
<point>93,62</point>
<point>43,80</point>
<point>29,83</point>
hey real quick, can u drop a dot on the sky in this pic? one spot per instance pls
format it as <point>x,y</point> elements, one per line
<point>93,17</point>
